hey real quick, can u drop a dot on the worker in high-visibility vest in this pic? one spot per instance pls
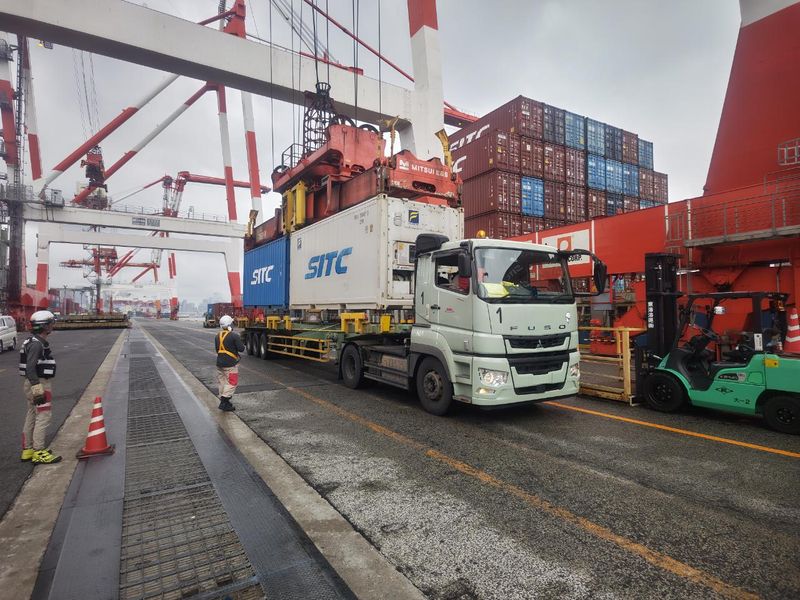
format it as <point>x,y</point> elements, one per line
<point>228,344</point>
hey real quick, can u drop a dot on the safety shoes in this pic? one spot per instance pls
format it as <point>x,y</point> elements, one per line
<point>225,404</point>
<point>27,454</point>
<point>44,457</point>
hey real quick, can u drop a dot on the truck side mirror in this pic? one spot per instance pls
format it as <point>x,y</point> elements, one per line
<point>464,265</point>
<point>600,275</point>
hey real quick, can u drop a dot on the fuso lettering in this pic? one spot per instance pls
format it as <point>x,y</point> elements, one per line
<point>323,264</point>
<point>262,275</point>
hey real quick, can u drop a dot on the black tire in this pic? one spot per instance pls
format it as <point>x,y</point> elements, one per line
<point>352,367</point>
<point>433,387</point>
<point>2,347</point>
<point>782,413</point>
<point>14,344</point>
<point>263,343</point>
<point>251,345</point>
<point>664,393</point>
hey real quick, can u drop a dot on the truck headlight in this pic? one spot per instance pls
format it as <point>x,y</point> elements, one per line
<point>491,378</point>
<point>575,371</point>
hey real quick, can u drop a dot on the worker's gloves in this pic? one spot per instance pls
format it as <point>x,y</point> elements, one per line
<point>38,394</point>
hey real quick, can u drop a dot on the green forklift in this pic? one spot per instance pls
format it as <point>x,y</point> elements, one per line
<point>750,376</point>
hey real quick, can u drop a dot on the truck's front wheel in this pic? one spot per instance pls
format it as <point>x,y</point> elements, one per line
<point>433,387</point>
<point>352,367</point>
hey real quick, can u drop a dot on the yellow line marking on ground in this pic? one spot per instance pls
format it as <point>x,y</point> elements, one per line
<point>704,436</point>
<point>655,558</point>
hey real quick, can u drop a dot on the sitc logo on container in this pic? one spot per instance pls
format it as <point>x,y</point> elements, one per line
<point>322,264</point>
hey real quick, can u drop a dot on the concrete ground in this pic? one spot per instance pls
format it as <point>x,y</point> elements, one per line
<point>579,498</point>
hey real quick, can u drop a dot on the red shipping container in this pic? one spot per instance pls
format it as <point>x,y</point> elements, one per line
<point>554,200</point>
<point>575,166</point>
<point>554,162</point>
<point>630,148</point>
<point>531,225</point>
<point>575,203</point>
<point>595,203</point>
<point>660,191</point>
<point>646,184</point>
<point>553,223</point>
<point>492,191</point>
<point>630,203</point>
<point>531,157</point>
<point>495,150</point>
<point>499,225</point>
<point>522,116</point>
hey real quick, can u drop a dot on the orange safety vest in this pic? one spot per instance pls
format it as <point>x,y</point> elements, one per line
<point>222,349</point>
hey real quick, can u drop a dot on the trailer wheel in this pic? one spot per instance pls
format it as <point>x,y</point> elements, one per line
<point>251,346</point>
<point>352,367</point>
<point>263,346</point>
<point>664,393</point>
<point>433,387</point>
<point>782,413</point>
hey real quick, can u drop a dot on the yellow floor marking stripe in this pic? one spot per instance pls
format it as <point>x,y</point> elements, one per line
<point>704,436</point>
<point>653,557</point>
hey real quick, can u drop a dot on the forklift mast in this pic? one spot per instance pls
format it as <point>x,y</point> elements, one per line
<point>661,287</point>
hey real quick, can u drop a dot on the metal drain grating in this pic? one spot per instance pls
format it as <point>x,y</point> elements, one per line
<point>177,539</point>
<point>139,348</point>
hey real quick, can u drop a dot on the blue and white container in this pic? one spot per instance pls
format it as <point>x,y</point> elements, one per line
<point>630,179</point>
<point>532,197</point>
<point>645,154</point>
<point>575,128</point>
<point>614,176</point>
<point>266,275</point>
<point>596,172</point>
<point>595,137</point>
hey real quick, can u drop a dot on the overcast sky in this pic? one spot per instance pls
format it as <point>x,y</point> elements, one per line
<point>655,68</point>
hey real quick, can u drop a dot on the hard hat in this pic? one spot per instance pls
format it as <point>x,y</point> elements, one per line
<point>41,319</point>
<point>225,321</point>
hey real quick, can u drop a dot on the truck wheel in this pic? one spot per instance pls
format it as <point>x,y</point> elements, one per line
<point>664,393</point>
<point>352,367</point>
<point>251,346</point>
<point>433,387</point>
<point>782,413</point>
<point>263,346</point>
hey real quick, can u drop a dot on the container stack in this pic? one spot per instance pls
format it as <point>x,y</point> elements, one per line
<point>529,166</point>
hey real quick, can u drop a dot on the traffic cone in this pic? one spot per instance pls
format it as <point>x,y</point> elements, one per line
<point>792,343</point>
<point>96,441</point>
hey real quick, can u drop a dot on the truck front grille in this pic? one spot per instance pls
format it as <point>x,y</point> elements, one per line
<point>539,365</point>
<point>537,342</point>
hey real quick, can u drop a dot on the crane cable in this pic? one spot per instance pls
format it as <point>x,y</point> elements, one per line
<point>271,99</point>
<point>316,58</point>
<point>356,13</point>
<point>328,43</point>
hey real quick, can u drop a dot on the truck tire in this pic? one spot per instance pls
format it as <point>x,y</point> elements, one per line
<point>352,367</point>
<point>433,387</point>
<point>263,343</point>
<point>251,345</point>
<point>664,393</point>
<point>782,413</point>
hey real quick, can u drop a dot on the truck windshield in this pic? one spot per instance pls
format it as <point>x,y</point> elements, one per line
<point>508,275</point>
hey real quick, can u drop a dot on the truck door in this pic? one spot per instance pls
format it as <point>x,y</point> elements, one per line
<point>451,315</point>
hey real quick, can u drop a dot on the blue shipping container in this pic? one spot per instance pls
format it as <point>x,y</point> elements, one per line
<point>532,197</point>
<point>614,176</point>
<point>575,126</point>
<point>266,275</point>
<point>614,204</point>
<point>645,154</point>
<point>595,171</point>
<point>630,180</point>
<point>595,137</point>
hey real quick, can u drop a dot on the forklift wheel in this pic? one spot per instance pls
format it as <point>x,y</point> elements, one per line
<point>782,413</point>
<point>664,393</point>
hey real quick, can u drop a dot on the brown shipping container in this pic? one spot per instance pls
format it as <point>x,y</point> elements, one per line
<point>531,157</point>
<point>630,203</point>
<point>575,166</point>
<point>646,184</point>
<point>495,150</point>
<point>554,162</point>
<point>522,116</point>
<point>630,148</point>
<point>501,225</point>
<point>490,192</point>
<point>660,191</point>
<point>553,223</point>
<point>554,200</point>
<point>575,203</point>
<point>595,203</point>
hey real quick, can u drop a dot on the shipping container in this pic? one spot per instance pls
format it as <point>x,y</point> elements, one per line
<point>613,138</point>
<point>531,157</point>
<point>614,176</point>
<point>266,275</point>
<point>553,125</point>
<point>575,130</point>
<point>595,203</point>
<point>363,257</point>
<point>531,225</point>
<point>492,191</point>
<point>595,171</point>
<point>553,223</point>
<point>614,204</point>
<point>501,225</point>
<point>644,203</point>
<point>646,183</point>
<point>630,179</point>
<point>532,196</point>
<point>554,200</point>
<point>575,204</point>
<point>595,137</point>
<point>554,162</point>
<point>646,154</point>
<point>522,116</point>
<point>630,203</point>
<point>575,161</point>
<point>630,147</point>
<point>660,191</point>
<point>494,150</point>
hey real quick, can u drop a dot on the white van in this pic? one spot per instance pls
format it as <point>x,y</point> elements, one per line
<point>8,333</point>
